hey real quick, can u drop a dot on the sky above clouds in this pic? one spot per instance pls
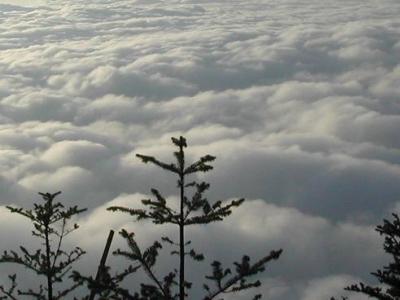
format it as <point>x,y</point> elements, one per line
<point>299,101</point>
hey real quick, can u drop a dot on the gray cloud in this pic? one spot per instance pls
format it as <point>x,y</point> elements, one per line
<point>297,99</point>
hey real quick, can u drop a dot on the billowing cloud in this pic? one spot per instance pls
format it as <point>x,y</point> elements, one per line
<point>297,99</point>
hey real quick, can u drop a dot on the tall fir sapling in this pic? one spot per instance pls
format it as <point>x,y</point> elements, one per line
<point>52,262</point>
<point>194,210</point>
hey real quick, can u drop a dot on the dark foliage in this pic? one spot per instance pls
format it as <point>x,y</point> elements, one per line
<point>389,276</point>
<point>193,210</point>
<point>51,262</point>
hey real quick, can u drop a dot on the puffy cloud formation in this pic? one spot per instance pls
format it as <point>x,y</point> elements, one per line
<point>299,101</point>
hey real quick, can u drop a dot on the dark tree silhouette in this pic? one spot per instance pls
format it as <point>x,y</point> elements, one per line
<point>388,276</point>
<point>193,210</point>
<point>51,262</point>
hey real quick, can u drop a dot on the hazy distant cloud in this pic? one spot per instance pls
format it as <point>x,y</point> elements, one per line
<point>298,101</point>
<point>324,288</point>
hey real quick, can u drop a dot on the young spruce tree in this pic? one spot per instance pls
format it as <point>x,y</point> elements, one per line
<point>389,276</point>
<point>51,261</point>
<point>193,210</point>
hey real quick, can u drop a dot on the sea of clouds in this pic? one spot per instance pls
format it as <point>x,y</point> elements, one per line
<point>299,101</point>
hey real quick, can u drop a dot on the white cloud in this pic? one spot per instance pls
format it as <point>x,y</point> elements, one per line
<point>314,247</point>
<point>80,153</point>
<point>297,99</point>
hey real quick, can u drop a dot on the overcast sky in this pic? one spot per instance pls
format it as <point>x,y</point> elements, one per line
<point>298,99</point>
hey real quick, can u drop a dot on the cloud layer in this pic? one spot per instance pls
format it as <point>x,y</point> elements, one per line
<point>297,99</point>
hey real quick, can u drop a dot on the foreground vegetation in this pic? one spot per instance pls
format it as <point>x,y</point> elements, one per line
<point>50,222</point>
<point>53,264</point>
<point>389,275</point>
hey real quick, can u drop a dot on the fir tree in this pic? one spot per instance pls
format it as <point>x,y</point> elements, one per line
<point>50,222</point>
<point>193,210</point>
<point>388,276</point>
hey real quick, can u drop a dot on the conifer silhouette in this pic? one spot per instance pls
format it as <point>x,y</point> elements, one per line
<point>389,276</point>
<point>193,210</point>
<point>50,221</point>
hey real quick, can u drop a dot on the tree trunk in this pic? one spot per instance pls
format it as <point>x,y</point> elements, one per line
<point>182,241</point>
<point>48,266</point>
